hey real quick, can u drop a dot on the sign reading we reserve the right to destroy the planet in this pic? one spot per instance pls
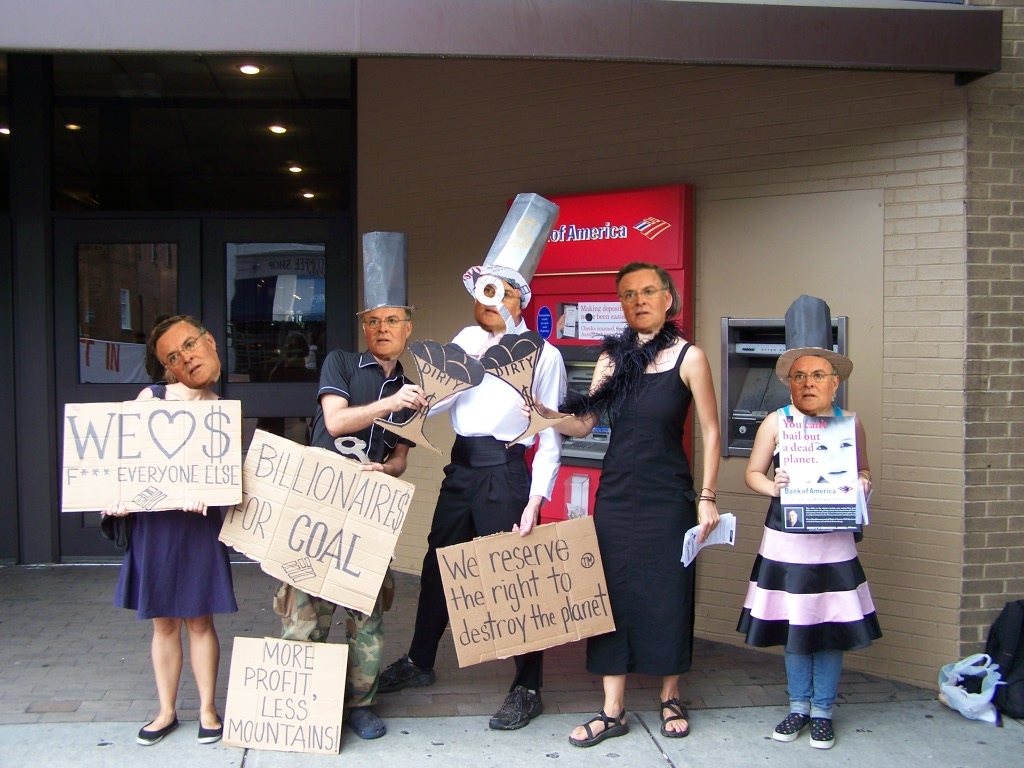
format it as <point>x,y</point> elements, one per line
<point>509,594</point>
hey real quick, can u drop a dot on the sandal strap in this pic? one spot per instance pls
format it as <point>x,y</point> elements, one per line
<point>677,708</point>
<point>602,717</point>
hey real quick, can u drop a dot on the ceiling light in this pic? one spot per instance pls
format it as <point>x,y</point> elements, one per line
<point>278,129</point>
<point>308,195</point>
<point>73,127</point>
<point>295,169</point>
<point>5,130</point>
<point>249,69</point>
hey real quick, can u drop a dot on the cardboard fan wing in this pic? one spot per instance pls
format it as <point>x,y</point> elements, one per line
<point>513,360</point>
<point>444,369</point>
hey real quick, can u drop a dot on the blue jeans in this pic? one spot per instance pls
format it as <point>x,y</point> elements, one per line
<point>813,681</point>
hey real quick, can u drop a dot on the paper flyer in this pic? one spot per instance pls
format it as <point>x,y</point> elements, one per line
<point>724,533</point>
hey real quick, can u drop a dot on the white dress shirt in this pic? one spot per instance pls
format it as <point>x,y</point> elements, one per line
<point>492,409</point>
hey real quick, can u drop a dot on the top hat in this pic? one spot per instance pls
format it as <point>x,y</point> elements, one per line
<point>384,274</point>
<point>516,250</point>
<point>809,334</point>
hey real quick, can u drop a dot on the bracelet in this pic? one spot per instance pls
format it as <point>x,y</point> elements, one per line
<point>866,473</point>
<point>712,499</point>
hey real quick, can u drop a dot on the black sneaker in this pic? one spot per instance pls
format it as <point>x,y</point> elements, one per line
<point>822,735</point>
<point>789,729</point>
<point>520,707</point>
<point>404,674</point>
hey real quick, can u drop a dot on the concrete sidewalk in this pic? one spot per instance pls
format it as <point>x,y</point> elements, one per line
<point>76,684</point>
<point>901,734</point>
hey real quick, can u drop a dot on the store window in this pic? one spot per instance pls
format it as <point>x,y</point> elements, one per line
<point>275,311</point>
<point>123,291</point>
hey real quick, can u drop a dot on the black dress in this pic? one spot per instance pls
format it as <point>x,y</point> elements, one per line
<point>644,506</point>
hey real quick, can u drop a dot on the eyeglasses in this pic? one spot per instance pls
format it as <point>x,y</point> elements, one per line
<point>817,377</point>
<point>174,359</point>
<point>374,323</point>
<point>648,293</point>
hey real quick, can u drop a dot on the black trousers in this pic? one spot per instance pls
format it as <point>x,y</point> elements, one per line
<point>473,501</point>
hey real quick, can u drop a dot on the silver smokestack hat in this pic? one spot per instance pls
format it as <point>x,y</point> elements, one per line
<point>809,334</point>
<point>384,270</point>
<point>517,249</point>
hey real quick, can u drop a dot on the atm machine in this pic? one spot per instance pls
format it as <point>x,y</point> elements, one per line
<point>750,389</point>
<point>575,303</point>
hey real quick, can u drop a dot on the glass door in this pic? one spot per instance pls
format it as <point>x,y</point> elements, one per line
<point>280,293</point>
<point>114,279</point>
<point>276,294</point>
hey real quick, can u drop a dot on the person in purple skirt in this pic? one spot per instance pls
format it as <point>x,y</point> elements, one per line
<point>175,571</point>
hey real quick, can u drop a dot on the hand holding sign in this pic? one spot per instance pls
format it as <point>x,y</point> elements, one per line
<point>513,360</point>
<point>443,370</point>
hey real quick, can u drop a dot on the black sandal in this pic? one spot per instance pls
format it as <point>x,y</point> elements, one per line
<point>612,727</point>
<point>678,713</point>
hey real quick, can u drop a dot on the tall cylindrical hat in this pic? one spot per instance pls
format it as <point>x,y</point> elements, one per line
<point>384,270</point>
<point>517,249</point>
<point>809,333</point>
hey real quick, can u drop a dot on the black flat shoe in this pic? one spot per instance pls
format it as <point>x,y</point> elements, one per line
<point>210,735</point>
<point>149,738</point>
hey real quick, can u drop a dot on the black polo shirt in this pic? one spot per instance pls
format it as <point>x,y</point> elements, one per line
<point>360,380</point>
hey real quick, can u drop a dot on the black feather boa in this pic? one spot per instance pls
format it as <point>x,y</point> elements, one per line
<point>630,359</point>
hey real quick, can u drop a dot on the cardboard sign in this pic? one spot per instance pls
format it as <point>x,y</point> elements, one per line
<point>286,695</point>
<point>151,454</point>
<point>444,369</point>
<point>514,361</point>
<point>508,594</point>
<point>313,519</point>
<point>820,456</point>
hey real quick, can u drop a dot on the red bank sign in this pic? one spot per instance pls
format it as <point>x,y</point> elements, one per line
<point>601,231</point>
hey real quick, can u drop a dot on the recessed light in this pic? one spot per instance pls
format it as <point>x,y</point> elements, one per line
<point>295,169</point>
<point>249,69</point>
<point>308,195</point>
<point>5,130</point>
<point>73,127</point>
<point>278,129</point>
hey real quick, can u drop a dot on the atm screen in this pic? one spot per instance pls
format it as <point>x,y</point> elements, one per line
<point>594,445</point>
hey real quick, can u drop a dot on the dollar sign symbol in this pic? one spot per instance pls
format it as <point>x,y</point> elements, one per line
<point>220,441</point>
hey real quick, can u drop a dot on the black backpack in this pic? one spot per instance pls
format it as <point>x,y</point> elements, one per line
<point>1006,647</point>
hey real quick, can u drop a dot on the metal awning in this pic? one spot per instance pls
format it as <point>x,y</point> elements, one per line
<point>853,34</point>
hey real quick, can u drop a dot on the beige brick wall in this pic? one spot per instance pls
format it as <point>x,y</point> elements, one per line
<point>993,567</point>
<point>444,143</point>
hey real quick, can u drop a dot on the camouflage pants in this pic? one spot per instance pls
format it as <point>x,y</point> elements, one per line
<point>306,617</point>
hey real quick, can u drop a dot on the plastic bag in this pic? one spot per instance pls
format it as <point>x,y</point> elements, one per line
<point>968,686</point>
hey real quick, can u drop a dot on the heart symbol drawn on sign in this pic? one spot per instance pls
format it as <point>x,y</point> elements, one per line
<point>170,417</point>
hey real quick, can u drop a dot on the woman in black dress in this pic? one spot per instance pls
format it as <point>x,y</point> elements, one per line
<point>645,380</point>
<point>175,571</point>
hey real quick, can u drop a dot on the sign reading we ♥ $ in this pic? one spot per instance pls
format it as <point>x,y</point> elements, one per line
<point>151,454</point>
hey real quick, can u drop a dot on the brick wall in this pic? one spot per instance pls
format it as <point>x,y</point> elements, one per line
<point>444,143</point>
<point>993,569</point>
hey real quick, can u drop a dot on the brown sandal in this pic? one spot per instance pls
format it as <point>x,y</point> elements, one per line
<point>612,727</point>
<point>678,713</point>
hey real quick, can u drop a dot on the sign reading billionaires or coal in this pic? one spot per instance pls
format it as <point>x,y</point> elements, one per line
<point>286,695</point>
<point>151,454</point>
<point>313,519</point>
<point>509,594</point>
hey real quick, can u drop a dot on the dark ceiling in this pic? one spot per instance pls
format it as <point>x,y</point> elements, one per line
<point>190,132</point>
